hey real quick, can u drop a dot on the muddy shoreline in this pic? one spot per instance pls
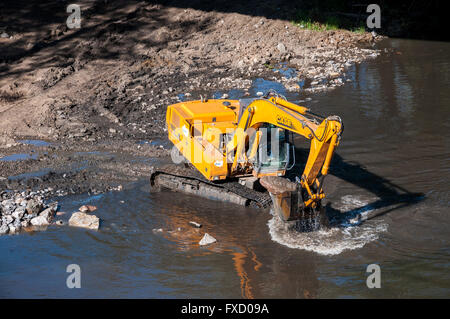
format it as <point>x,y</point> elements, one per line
<point>98,96</point>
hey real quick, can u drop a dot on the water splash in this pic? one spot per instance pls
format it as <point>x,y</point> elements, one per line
<point>328,241</point>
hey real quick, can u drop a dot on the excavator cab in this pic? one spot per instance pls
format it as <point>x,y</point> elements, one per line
<point>275,151</point>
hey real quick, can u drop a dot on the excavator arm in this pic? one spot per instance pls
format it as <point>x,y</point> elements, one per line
<point>324,137</point>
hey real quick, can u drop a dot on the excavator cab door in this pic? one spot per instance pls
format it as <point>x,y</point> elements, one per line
<point>274,151</point>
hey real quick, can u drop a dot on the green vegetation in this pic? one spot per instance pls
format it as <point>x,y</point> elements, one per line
<point>311,20</point>
<point>361,29</point>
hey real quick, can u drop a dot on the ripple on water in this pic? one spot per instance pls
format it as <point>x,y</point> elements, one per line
<point>331,241</point>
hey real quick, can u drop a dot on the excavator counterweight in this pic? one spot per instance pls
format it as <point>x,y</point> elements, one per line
<point>223,144</point>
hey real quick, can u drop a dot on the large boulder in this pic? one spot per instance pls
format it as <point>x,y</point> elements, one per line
<point>79,219</point>
<point>48,213</point>
<point>39,221</point>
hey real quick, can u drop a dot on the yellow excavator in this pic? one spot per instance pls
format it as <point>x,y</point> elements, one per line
<point>227,149</point>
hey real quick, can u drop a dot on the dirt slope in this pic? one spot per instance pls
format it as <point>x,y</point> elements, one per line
<point>116,74</point>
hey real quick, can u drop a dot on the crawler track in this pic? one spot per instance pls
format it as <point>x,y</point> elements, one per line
<point>187,180</point>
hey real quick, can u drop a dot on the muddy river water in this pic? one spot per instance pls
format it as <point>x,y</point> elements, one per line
<point>394,158</point>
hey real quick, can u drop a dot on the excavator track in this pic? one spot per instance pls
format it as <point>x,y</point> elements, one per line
<point>188,180</point>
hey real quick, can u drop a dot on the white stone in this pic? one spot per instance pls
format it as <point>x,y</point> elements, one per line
<point>39,221</point>
<point>281,47</point>
<point>207,239</point>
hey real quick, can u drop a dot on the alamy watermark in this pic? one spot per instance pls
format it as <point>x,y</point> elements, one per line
<point>373,20</point>
<point>74,19</point>
<point>373,280</point>
<point>74,279</point>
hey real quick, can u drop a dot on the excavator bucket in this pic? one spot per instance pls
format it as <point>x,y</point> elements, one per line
<point>285,197</point>
<point>288,203</point>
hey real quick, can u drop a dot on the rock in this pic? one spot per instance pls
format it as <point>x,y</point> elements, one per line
<point>281,48</point>
<point>277,185</point>
<point>195,224</point>
<point>34,207</point>
<point>29,216</point>
<point>25,223</point>
<point>14,229</point>
<point>334,74</point>
<point>39,221</point>
<point>4,229</point>
<point>87,208</point>
<point>48,214</point>
<point>19,212</point>
<point>207,240</point>
<point>259,93</point>
<point>8,206</point>
<point>113,131</point>
<point>8,219</point>
<point>4,35</point>
<point>79,219</point>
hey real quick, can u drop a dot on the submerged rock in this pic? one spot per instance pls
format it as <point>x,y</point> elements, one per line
<point>207,240</point>
<point>79,219</point>
<point>195,224</point>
